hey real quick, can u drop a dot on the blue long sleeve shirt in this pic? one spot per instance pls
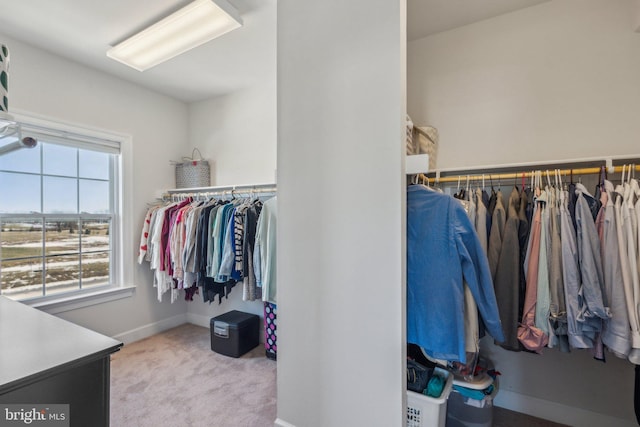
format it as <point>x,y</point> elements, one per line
<point>442,251</point>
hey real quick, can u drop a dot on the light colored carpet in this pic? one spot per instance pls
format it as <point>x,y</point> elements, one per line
<point>174,379</point>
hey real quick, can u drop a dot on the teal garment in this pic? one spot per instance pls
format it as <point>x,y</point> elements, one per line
<point>472,393</point>
<point>435,386</point>
<point>228,252</point>
<point>217,240</point>
<point>543,301</point>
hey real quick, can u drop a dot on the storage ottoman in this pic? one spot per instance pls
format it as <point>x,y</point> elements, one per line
<point>234,333</point>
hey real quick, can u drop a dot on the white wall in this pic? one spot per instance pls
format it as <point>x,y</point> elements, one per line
<point>341,211</point>
<point>555,81</point>
<point>560,80</point>
<point>237,134</point>
<point>46,85</point>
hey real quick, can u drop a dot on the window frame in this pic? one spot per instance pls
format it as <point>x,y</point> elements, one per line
<point>121,273</point>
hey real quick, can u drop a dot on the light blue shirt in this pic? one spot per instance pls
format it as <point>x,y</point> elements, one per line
<point>442,250</point>
<point>590,263</point>
<point>571,277</point>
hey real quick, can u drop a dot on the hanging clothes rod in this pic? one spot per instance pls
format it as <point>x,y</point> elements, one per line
<point>221,190</point>
<point>529,174</point>
<point>271,187</point>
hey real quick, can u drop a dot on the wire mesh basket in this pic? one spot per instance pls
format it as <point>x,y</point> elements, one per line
<point>193,171</point>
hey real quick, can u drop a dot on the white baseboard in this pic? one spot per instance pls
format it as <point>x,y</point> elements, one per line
<point>281,423</point>
<point>198,319</point>
<point>151,329</point>
<point>556,412</point>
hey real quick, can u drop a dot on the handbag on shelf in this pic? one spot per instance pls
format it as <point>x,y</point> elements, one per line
<point>193,171</point>
<point>425,140</point>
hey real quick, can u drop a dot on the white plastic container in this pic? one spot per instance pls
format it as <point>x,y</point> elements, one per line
<point>467,412</point>
<point>425,411</point>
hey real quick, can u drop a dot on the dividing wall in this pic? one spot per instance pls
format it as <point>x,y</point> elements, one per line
<point>341,213</point>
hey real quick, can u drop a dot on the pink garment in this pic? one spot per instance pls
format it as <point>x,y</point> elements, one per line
<point>532,338</point>
<point>169,221</point>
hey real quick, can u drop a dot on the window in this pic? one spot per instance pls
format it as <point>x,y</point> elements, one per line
<point>59,216</point>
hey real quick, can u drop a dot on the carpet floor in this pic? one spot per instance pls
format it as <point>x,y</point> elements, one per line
<point>174,379</point>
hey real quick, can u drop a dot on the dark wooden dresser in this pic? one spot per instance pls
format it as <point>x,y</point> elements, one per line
<point>47,360</point>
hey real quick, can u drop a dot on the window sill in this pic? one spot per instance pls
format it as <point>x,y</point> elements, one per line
<point>74,302</point>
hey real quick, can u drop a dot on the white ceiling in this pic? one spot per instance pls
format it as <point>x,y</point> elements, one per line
<point>82,31</point>
<point>427,17</point>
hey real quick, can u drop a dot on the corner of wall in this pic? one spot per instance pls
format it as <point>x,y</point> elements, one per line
<point>150,329</point>
<point>556,412</point>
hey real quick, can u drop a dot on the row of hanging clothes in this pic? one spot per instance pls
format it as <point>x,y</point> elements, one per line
<point>206,245</point>
<point>563,261</point>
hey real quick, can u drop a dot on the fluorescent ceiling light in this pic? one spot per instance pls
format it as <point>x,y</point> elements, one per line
<point>189,27</point>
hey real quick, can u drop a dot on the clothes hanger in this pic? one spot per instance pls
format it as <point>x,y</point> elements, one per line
<point>467,195</point>
<point>558,187</point>
<point>548,179</point>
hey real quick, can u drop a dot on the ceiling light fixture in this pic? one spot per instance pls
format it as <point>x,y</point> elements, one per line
<point>189,27</point>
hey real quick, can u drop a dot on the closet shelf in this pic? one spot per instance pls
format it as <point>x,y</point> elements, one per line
<point>416,163</point>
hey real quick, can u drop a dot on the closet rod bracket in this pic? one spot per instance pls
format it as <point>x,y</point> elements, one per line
<point>609,164</point>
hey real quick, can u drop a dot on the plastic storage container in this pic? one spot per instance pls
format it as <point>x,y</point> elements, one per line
<point>463,411</point>
<point>234,333</point>
<point>425,411</point>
